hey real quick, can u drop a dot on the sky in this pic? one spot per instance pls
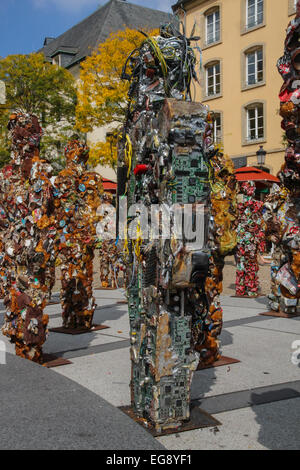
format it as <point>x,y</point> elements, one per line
<point>24,24</point>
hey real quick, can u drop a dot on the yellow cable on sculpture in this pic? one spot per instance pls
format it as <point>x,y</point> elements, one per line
<point>137,246</point>
<point>159,55</point>
<point>128,154</point>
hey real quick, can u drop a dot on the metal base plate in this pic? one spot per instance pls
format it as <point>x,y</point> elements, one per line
<point>78,331</point>
<point>223,361</point>
<point>50,360</point>
<point>105,288</point>
<point>122,302</point>
<point>199,419</point>
<point>247,296</point>
<point>280,314</point>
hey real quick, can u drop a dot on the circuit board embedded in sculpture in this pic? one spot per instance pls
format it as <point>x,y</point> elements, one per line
<point>251,241</point>
<point>78,195</point>
<point>167,159</point>
<point>27,259</point>
<point>283,205</point>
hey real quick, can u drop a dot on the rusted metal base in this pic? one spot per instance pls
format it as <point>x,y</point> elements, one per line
<point>247,296</point>
<point>105,288</point>
<point>199,419</point>
<point>272,313</point>
<point>223,361</point>
<point>78,331</point>
<point>50,360</point>
<point>122,302</point>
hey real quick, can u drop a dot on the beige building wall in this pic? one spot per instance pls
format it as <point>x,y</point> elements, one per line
<point>234,94</point>
<point>98,135</point>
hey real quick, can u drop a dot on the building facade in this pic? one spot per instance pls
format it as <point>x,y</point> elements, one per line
<point>241,41</point>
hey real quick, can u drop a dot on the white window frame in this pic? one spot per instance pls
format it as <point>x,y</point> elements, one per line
<point>217,129</point>
<point>214,75</point>
<point>216,27</point>
<point>256,62</point>
<point>257,116</point>
<point>256,23</point>
<point>57,60</point>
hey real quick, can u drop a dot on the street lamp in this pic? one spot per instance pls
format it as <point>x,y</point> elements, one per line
<point>261,156</point>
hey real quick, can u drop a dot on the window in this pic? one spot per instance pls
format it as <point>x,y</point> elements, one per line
<point>254,67</point>
<point>254,13</point>
<point>217,123</point>
<point>255,122</point>
<point>56,60</point>
<point>212,27</point>
<point>213,79</point>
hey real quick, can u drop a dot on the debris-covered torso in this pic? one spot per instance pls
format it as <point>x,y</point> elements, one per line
<point>77,197</point>
<point>26,196</point>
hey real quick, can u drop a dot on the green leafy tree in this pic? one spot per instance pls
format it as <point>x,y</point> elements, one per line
<point>35,86</point>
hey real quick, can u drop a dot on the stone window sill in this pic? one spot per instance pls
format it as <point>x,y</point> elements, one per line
<point>246,30</point>
<point>212,97</point>
<point>246,87</point>
<point>246,143</point>
<point>212,44</point>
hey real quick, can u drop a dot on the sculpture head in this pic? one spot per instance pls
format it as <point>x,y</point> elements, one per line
<point>76,152</point>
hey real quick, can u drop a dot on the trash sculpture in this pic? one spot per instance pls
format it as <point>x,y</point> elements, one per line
<point>109,247</point>
<point>251,241</point>
<point>222,242</point>
<point>78,195</point>
<point>167,166</point>
<point>27,259</point>
<point>284,223</point>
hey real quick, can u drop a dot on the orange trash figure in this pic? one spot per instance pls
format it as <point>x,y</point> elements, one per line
<point>78,196</point>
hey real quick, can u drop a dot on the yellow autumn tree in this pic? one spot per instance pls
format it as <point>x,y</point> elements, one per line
<point>102,94</point>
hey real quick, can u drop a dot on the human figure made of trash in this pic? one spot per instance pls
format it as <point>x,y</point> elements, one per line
<point>112,268</point>
<point>173,281</point>
<point>251,241</point>
<point>284,224</point>
<point>78,196</point>
<point>27,260</point>
<point>222,242</point>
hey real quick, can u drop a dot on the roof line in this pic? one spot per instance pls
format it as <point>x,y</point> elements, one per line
<point>82,21</point>
<point>141,6</point>
<point>107,11</point>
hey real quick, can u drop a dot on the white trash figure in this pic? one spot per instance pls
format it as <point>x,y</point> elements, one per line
<point>2,353</point>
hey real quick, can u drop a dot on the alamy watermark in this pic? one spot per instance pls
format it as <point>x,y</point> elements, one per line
<point>187,222</point>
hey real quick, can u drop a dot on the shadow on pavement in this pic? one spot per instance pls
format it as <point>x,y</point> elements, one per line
<point>278,421</point>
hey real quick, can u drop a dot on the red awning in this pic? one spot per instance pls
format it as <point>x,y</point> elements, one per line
<point>109,185</point>
<point>250,173</point>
